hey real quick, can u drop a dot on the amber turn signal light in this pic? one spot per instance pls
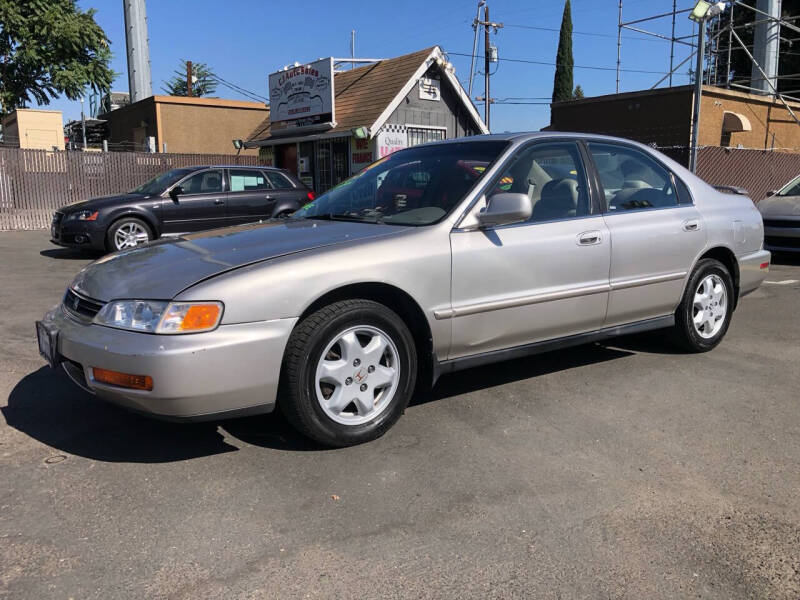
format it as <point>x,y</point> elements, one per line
<point>126,380</point>
<point>200,316</point>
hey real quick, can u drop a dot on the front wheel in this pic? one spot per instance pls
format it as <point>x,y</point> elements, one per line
<point>128,233</point>
<point>703,317</point>
<point>348,373</point>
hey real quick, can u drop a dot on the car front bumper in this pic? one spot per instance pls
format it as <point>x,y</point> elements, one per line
<point>78,234</point>
<point>782,239</point>
<point>231,371</point>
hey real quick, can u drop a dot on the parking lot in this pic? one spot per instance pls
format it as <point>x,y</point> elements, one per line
<point>621,470</point>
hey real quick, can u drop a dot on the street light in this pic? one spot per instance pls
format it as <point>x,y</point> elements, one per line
<point>701,12</point>
<point>705,10</point>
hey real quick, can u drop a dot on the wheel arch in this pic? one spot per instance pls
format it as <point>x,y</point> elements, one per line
<point>400,302</point>
<point>285,205</point>
<point>726,256</point>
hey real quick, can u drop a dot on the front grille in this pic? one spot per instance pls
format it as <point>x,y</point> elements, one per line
<point>781,223</point>
<point>84,308</point>
<point>781,242</point>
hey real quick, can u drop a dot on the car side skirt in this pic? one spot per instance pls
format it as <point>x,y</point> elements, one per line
<point>476,360</point>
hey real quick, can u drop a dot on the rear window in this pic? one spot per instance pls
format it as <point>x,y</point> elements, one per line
<point>278,180</point>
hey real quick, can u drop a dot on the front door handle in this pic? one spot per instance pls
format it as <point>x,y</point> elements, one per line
<point>691,225</point>
<point>267,197</point>
<point>589,238</point>
<point>219,201</point>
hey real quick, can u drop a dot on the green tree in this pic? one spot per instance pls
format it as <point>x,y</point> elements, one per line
<point>205,82</point>
<point>50,48</point>
<point>577,93</point>
<point>562,82</point>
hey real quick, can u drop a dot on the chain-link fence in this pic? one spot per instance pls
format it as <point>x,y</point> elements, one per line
<point>33,183</point>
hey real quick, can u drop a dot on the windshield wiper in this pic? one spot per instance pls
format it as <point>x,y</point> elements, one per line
<point>345,217</point>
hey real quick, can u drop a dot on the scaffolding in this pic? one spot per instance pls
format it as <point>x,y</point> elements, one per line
<point>716,31</point>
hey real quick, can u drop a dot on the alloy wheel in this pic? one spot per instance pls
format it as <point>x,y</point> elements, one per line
<point>357,375</point>
<point>710,306</point>
<point>130,235</point>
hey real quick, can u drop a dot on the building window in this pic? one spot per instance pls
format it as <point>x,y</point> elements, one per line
<point>423,135</point>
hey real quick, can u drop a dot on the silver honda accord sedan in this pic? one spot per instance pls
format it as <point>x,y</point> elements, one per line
<point>433,259</point>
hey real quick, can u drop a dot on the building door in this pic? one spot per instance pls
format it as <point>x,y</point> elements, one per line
<point>286,157</point>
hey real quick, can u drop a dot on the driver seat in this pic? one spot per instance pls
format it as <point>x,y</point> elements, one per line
<point>559,200</point>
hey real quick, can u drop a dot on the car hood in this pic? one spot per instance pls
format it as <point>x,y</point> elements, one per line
<point>101,202</point>
<point>164,268</point>
<point>780,206</point>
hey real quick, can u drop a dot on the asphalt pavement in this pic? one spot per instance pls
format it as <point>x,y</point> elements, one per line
<point>618,470</point>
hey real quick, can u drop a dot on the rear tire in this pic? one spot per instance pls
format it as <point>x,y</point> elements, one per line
<point>705,312</point>
<point>126,233</point>
<point>348,373</point>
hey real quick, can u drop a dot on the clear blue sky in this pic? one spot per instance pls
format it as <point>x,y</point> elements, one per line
<point>244,40</point>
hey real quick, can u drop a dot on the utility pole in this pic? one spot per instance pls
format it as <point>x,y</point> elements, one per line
<point>352,48</point>
<point>486,59</point>
<point>475,23</point>
<point>189,74</point>
<point>489,57</point>
<point>619,43</point>
<point>83,124</point>
<point>698,93</point>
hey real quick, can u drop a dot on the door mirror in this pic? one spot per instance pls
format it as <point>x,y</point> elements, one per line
<point>175,192</point>
<point>505,208</point>
<point>772,193</point>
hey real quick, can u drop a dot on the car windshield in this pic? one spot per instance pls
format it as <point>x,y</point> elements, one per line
<point>159,183</point>
<point>791,189</point>
<point>418,186</point>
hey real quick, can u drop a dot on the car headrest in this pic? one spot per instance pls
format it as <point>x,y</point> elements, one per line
<point>559,200</point>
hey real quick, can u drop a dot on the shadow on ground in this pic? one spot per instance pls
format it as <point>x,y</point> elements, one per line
<point>786,258</point>
<point>69,254</point>
<point>48,407</point>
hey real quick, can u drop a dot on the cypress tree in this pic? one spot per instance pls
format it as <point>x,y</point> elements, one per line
<point>562,82</point>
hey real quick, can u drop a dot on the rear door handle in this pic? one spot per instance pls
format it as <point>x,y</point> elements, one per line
<point>267,197</point>
<point>219,201</point>
<point>691,225</point>
<point>589,238</point>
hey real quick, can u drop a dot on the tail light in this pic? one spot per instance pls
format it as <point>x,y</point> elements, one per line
<point>311,195</point>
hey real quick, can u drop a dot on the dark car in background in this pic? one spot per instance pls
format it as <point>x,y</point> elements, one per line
<point>179,201</point>
<point>781,213</point>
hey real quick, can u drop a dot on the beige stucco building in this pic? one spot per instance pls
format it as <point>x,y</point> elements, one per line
<point>34,129</point>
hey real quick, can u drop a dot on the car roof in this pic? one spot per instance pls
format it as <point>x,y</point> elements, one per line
<point>260,167</point>
<point>532,135</point>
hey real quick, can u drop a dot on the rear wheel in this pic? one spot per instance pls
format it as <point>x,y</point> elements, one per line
<point>126,233</point>
<point>348,373</point>
<point>703,317</point>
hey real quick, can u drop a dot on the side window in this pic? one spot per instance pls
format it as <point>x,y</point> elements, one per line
<point>205,182</point>
<point>278,180</point>
<point>552,176</point>
<point>245,180</point>
<point>632,180</point>
<point>792,189</point>
<point>684,197</point>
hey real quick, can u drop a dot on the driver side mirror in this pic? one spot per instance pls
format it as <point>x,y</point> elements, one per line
<point>771,193</point>
<point>505,208</point>
<point>175,192</point>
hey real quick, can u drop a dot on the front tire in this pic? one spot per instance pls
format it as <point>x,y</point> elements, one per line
<point>128,232</point>
<point>705,312</point>
<point>348,373</point>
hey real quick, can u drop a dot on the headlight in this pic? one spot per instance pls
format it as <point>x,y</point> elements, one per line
<point>154,316</point>
<point>83,215</point>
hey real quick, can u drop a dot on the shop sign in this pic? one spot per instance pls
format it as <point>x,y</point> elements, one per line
<point>429,89</point>
<point>390,139</point>
<point>303,95</point>
<point>360,154</point>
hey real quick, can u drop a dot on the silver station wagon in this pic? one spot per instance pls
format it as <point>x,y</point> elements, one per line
<point>434,259</point>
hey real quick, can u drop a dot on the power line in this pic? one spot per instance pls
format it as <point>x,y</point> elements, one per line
<point>552,64</point>
<point>589,33</point>
<point>238,88</point>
